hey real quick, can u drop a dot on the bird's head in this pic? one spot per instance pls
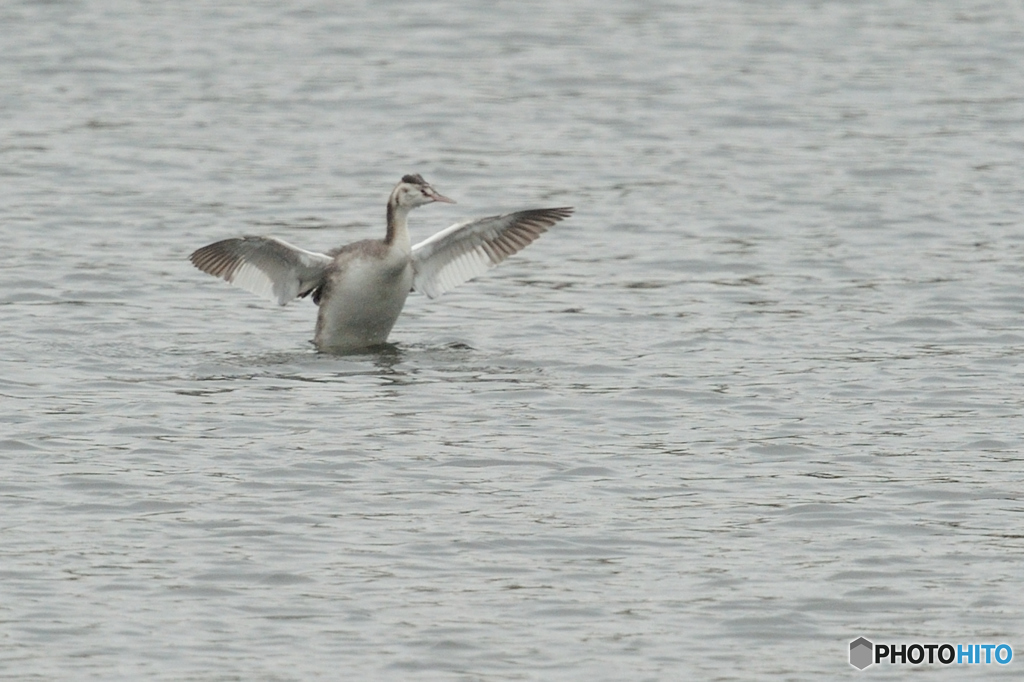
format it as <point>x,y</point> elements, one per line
<point>414,191</point>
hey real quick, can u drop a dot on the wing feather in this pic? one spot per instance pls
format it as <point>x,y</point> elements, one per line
<point>266,266</point>
<point>466,250</point>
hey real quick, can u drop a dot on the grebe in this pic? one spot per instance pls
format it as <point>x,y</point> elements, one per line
<point>361,287</point>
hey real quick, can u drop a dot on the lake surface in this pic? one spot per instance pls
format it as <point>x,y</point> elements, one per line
<point>760,396</point>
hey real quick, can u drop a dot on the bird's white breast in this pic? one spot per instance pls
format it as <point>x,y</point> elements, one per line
<point>365,296</point>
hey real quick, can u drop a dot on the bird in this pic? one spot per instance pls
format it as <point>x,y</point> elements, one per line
<point>361,287</point>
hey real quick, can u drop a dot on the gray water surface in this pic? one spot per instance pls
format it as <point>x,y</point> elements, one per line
<point>760,396</point>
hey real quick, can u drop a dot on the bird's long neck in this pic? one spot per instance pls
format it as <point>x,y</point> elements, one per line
<point>397,233</point>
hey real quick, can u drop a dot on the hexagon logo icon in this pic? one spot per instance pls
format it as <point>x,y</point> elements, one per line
<point>861,653</point>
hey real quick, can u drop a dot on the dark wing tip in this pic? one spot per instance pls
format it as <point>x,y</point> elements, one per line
<point>547,216</point>
<point>217,259</point>
<point>525,227</point>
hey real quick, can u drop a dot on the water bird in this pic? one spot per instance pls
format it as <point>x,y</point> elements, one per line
<point>361,287</point>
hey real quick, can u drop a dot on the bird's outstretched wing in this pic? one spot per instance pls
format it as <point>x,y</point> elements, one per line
<point>465,250</point>
<point>266,266</point>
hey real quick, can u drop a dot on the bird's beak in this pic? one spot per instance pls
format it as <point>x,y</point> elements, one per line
<point>432,193</point>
